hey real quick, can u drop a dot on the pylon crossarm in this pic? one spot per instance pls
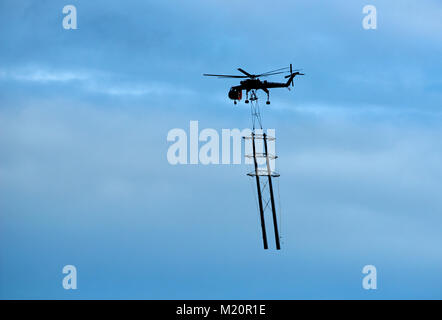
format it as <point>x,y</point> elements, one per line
<point>260,136</point>
<point>263,172</point>
<point>261,155</point>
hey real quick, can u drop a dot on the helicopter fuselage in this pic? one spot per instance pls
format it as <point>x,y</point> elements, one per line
<point>235,92</point>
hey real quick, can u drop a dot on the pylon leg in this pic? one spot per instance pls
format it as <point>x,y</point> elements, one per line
<point>272,199</point>
<point>258,187</point>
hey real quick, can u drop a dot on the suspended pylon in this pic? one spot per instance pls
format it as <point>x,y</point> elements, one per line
<point>264,186</point>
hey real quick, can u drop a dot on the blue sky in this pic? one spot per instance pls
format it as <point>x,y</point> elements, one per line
<point>84,179</point>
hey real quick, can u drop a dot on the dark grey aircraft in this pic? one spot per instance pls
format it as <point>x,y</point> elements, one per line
<point>253,82</point>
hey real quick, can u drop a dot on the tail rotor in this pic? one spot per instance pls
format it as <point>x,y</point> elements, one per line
<point>291,74</point>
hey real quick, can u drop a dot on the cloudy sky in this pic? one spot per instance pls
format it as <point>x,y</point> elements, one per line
<point>84,177</point>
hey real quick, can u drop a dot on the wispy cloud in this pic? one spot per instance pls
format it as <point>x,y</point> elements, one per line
<point>138,89</point>
<point>38,75</point>
<point>93,81</point>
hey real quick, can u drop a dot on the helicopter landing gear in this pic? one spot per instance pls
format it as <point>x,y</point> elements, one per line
<point>268,95</point>
<point>247,96</point>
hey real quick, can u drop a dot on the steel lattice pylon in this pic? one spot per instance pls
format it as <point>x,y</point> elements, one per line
<point>264,186</point>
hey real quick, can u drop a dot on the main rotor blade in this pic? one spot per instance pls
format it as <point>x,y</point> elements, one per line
<point>280,69</point>
<point>270,74</point>
<point>246,73</point>
<point>223,76</point>
<point>236,77</point>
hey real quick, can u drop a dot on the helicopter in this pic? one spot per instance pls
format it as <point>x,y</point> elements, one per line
<point>253,82</point>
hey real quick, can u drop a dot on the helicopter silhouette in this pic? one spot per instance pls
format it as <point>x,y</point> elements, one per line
<point>253,83</point>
